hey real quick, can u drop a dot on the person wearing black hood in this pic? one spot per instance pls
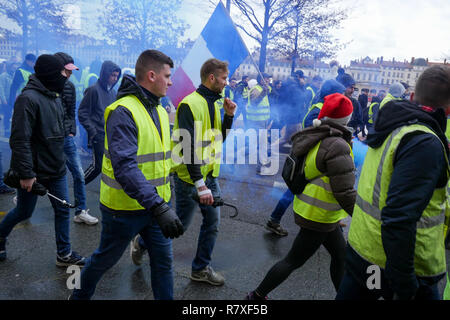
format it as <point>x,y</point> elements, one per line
<point>90,114</point>
<point>396,240</point>
<point>135,186</point>
<point>37,145</point>
<point>68,98</point>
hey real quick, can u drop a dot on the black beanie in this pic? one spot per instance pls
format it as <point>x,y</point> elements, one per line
<point>48,70</point>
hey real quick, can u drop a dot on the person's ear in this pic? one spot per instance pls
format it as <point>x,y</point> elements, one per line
<point>151,76</point>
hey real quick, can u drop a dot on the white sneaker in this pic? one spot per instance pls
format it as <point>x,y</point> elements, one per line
<point>136,251</point>
<point>85,217</point>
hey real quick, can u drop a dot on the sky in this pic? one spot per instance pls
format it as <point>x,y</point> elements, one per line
<point>399,29</point>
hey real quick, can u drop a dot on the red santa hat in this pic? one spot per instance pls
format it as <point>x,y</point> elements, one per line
<point>337,108</point>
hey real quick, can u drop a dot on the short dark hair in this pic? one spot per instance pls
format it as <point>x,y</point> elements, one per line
<point>373,90</point>
<point>244,77</point>
<point>151,60</point>
<point>433,87</point>
<point>211,66</point>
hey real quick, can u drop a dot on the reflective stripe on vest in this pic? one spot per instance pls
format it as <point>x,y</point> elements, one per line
<point>313,94</point>
<point>153,156</point>
<point>317,105</point>
<point>260,112</point>
<point>389,97</point>
<point>317,202</point>
<point>371,119</point>
<point>365,229</point>
<point>26,76</point>
<point>447,130</point>
<point>207,140</point>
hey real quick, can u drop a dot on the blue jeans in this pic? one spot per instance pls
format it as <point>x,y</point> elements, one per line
<point>351,289</point>
<point>282,206</point>
<point>117,232</point>
<point>73,163</point>
<point>26,202</point>
<point>185,208</point>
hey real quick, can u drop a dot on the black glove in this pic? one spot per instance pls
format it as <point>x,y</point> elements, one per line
<point>168,221</point>
<point>38,189</point>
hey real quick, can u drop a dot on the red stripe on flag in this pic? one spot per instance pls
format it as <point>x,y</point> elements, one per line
<point>181,87</point>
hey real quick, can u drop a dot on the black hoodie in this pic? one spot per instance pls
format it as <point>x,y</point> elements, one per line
<point>37,133</point>
<point>122,133</point>
<point>419,168</point>
<point>96,98</point>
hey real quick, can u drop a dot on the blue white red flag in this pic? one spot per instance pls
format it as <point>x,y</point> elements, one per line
<point>219,39</point>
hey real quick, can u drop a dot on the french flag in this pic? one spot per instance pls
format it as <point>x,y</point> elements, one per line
<point>219,39</point>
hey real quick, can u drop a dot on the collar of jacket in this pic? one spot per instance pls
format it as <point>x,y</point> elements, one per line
<point>34,84</point>
<point>307,138</point>
<point>208,94</point>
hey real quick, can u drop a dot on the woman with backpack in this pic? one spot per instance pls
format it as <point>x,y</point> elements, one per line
<point>327,198</point>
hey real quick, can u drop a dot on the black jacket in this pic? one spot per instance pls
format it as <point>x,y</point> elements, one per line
<point>69,98</point>
<point>96,99</point>
<point>37,133</point>
<point>419,169</point>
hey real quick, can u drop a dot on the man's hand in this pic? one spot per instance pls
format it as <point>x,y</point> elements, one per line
<point>229,107</point>
<point>168,221</point>
<point>27,183</point>
<point>205,196</point>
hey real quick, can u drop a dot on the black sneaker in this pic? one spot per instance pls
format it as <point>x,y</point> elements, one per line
<point>276,228</point>
<point>253,296</point>
<point>72,259</point>
<point>2,249</point>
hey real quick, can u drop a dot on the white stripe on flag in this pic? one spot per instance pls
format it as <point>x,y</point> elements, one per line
<point>195,59</point>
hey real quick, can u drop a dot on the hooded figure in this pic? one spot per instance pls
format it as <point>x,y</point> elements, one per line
<point>328,87</point>
<point>90,113</point>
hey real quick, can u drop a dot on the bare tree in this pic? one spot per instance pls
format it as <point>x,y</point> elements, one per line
<point>37,19</point>
<point>141,24</point>
<point>312,38</point>
<point>267,21</point>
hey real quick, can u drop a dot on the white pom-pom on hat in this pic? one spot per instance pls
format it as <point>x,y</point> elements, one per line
<point>316,123</point>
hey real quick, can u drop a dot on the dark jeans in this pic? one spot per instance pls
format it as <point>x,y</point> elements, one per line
<point>186,208</point>
<point>73,163</point>
<point>95,168</point>
<point>351,289</point>
<point>117,232</point>
<point>282,206</point>
<point>305,245</point>
<point>26,202</point>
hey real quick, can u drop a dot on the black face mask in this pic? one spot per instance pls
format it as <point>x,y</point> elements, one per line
<point>54,83</point>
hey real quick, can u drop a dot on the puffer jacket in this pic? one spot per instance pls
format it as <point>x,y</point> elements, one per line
<point>68,98</point>
<point>333,159</point>
<point>37,133</point>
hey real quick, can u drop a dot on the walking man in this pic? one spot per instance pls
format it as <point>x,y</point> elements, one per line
<point>135,185</point>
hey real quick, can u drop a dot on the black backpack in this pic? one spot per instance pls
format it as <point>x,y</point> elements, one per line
<point>294,173</point>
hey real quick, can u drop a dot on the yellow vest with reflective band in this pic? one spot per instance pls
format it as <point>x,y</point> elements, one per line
<point>389,97</point>
<point>221,100</point>
<point>153,156</point>
<point>365,229</point>
<point>88,78</point>
<point>317,202</point>
<point>447,130</point>
<point>371,112</point>
<point>313,94</point>
<point>26,76</point>
<point>318,105</point>
<point>260,112</point>
<point>207,141</point>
